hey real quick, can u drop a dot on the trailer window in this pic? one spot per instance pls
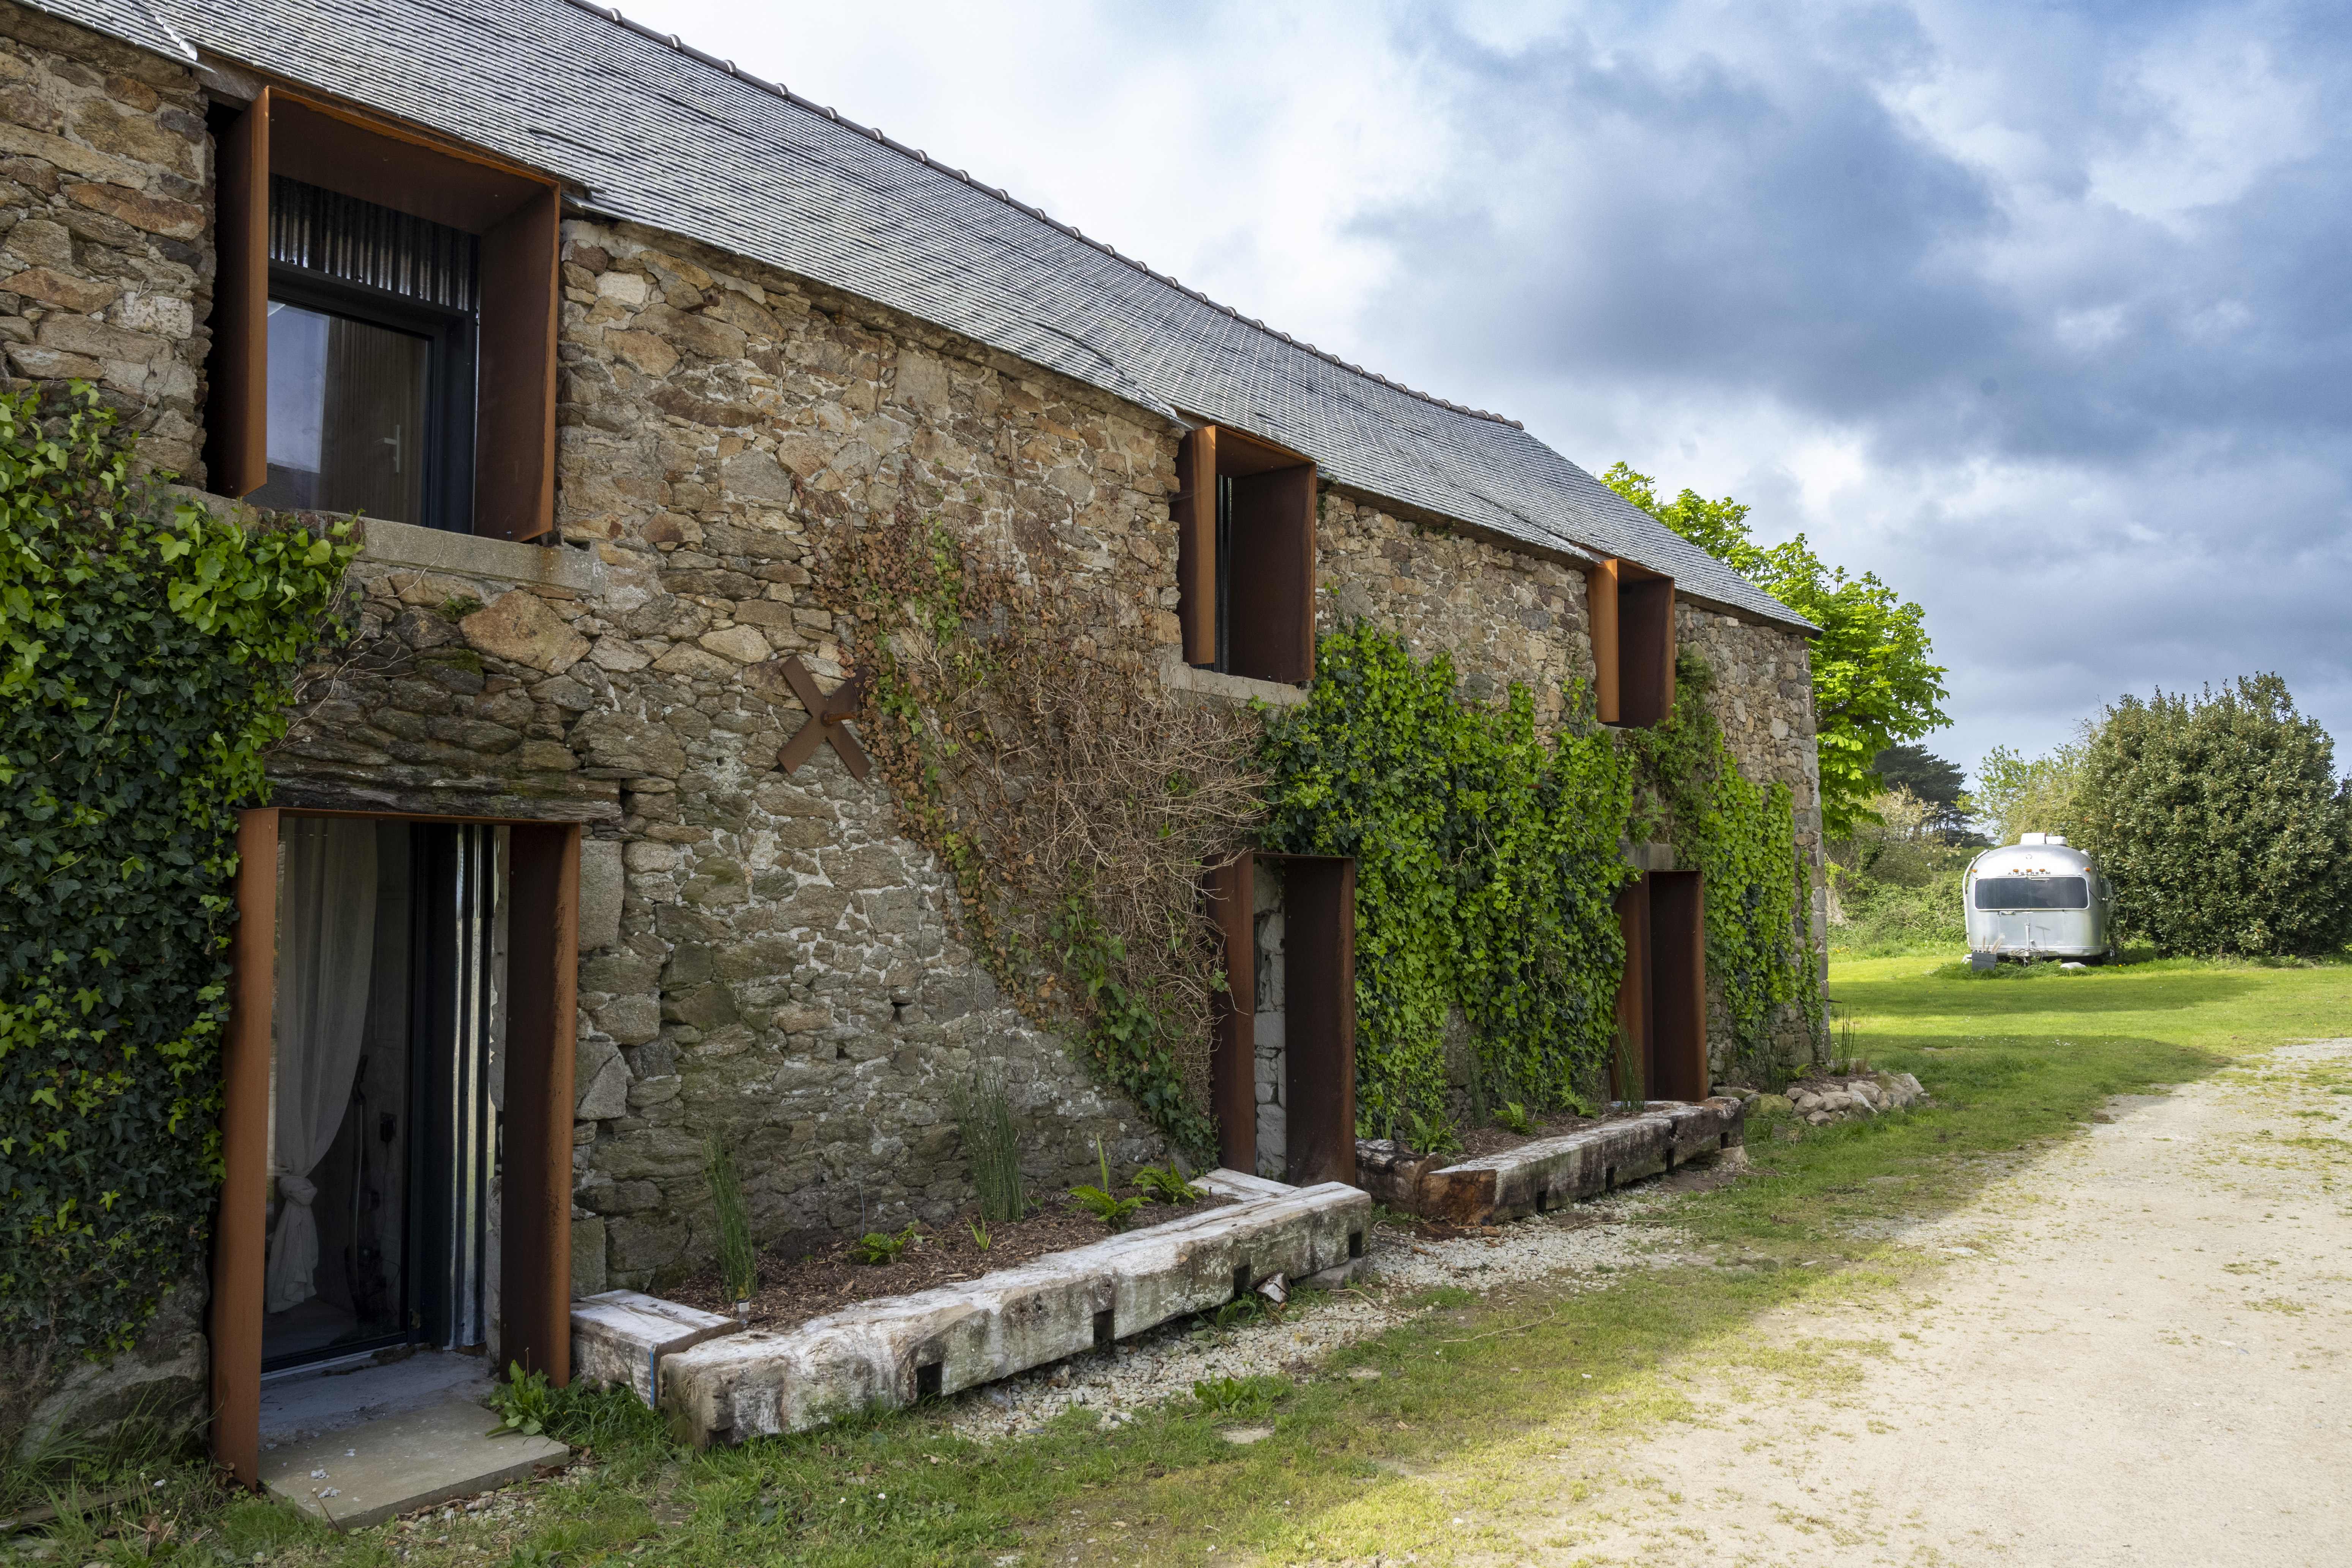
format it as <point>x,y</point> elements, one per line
<point>2032,893</point>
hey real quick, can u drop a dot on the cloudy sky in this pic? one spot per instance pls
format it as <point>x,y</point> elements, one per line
<point>2039,312</point>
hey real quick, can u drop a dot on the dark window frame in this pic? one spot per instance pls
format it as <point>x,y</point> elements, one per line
<point>451,334</point>
<point>1631,615</point>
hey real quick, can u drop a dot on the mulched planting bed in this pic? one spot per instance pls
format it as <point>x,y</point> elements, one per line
<point>810,1273</point>
<point>1479,1143</point>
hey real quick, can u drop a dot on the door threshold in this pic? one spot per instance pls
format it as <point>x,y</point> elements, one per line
<point>364,1474</point>
<point>327,1397</point>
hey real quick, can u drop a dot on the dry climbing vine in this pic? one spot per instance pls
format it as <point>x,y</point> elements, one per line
<point>1028,744</point>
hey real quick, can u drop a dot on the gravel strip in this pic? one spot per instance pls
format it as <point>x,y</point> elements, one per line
<point>1574,1250</point>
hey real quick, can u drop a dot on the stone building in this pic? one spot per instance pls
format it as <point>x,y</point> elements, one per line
<point>610,332</point>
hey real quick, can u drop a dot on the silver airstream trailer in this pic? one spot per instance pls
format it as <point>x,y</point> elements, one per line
<point>2038,898</point>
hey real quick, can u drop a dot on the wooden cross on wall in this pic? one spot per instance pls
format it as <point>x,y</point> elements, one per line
<point>828,720</point>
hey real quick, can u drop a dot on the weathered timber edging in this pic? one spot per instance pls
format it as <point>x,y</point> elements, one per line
<point>895,1350</point>
<point>620,1336</point>
<point>1551,1172</point>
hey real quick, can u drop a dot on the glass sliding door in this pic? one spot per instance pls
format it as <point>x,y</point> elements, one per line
<point>452,1082</point>
<point>381,1127</point>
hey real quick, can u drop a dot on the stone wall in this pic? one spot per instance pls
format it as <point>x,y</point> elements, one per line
<point>105,273</point>
<point>1504,615</point>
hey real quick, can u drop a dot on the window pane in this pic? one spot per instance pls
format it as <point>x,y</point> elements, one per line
<point>2032,893</point>
<point>346,416</point>
<point>297,374</point>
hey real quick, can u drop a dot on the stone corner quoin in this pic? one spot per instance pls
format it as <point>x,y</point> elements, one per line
<point>764,957</point>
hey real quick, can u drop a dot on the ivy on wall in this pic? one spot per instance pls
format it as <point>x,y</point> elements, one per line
<point>1031,746</point>
<point>1742,838</point>
<point>1487,863</point>
<point>148,653</point>
<point>1486,872</point>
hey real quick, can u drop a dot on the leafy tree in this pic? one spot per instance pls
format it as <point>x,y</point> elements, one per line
<point>2221,820</point>
<point>2016,794</point>
<point>1874,685</point>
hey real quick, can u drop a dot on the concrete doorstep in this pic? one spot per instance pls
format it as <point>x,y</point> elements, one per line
<point>366,1474</point>
<point>1552,1173</point>
<point>727,1387</point>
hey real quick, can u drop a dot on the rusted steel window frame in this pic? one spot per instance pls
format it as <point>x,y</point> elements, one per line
<point>1269,604</point>
<point>515,210</point>
<point>1631,610</point>
<point>535,1128</point>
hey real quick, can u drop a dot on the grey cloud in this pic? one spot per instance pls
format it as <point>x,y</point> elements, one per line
<point>1734,212</point>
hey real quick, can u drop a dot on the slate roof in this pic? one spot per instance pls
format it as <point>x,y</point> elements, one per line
<point>663,135</point>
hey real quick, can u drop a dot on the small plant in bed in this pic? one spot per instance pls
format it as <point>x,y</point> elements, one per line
<point>882,1247</point>
<point>1514,1117</point>
<point>1168,1185</point>
<point>1431,1135</point>
<point>524,1402</point>
<point>1105,1205</point>
<point>738,1257</point>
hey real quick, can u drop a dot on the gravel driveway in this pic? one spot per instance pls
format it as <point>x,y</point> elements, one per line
<point>2136,1354</point>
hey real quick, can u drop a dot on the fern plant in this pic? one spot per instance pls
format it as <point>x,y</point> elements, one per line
<point>1513,1118</point>
<point>1105,1205</point>
<point>1431,1134</point>
<point>882,1247</point>
<point>1168,1185</point>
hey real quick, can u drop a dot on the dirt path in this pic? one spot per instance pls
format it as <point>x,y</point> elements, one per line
<point>2145,1356</point>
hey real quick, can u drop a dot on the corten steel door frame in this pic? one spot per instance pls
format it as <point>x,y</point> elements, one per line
<point>1677,953</point>
<point>1233,1037</point>
<point>1633,981</point>
<point>1661,991</point>
<point>534,1156</point>
<point>1319,1039</point>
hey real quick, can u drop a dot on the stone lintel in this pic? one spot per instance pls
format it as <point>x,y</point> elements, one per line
<point>471,555</point>
<point>1178,676</point>
<point>586,800</point>
<point>893,1351</point>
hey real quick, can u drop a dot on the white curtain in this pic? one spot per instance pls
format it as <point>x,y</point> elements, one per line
<point>326,945</point>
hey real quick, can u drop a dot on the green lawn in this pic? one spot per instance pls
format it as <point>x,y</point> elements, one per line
<point>1472,1391</point>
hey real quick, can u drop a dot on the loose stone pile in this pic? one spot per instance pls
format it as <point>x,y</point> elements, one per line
<point>1849,1097</point>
